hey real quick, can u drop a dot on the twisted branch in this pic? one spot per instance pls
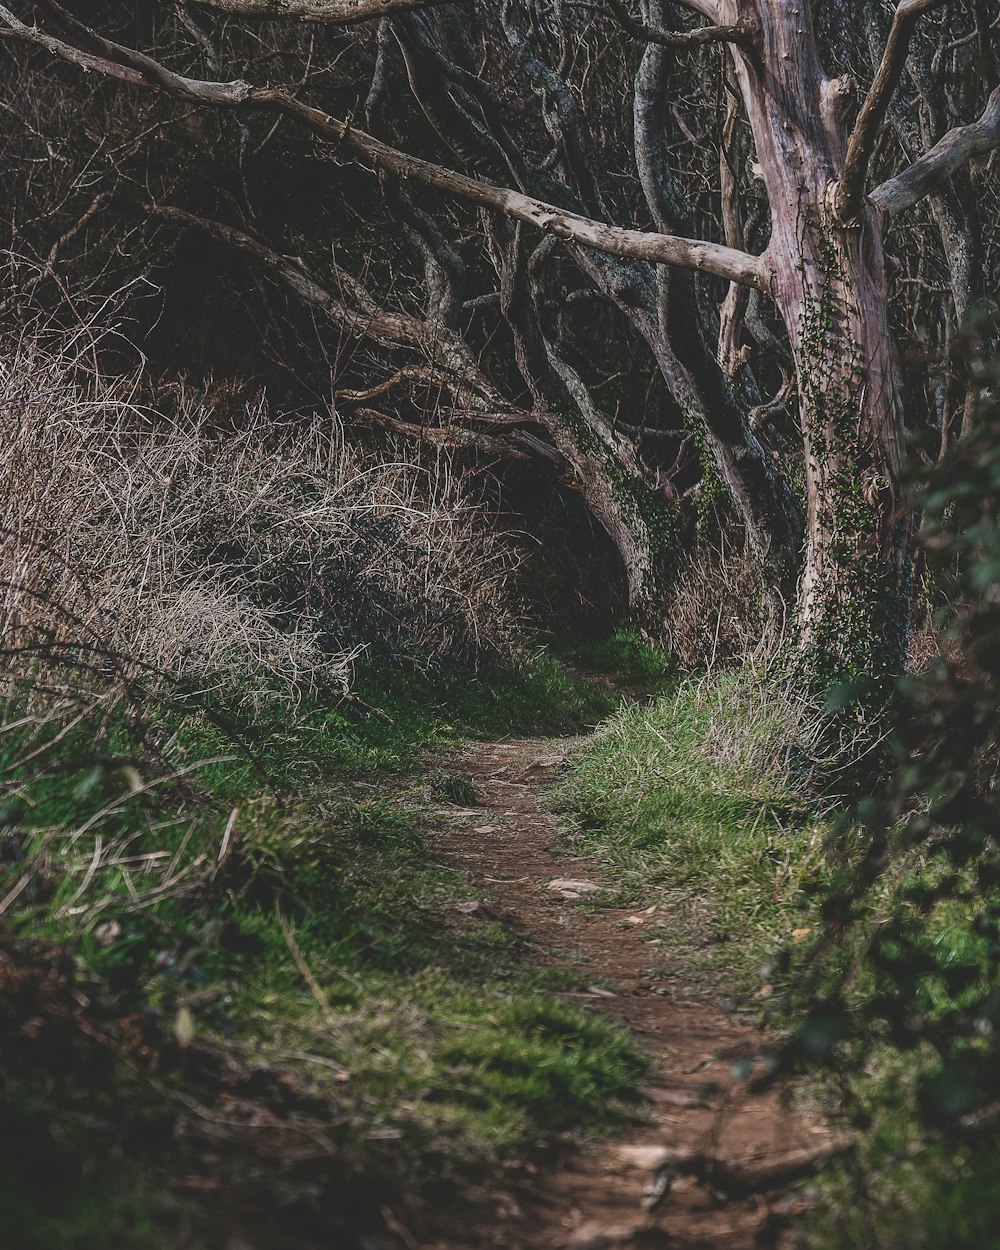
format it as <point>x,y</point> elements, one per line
<point>118,61</point>
<point>850,194</point>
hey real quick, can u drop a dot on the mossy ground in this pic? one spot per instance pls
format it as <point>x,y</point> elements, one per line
<point>434,1048</point>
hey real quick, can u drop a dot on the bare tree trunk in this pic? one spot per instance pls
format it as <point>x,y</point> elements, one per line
<point>854,593</point>
<point>637,517</point>
<point>602,466</point>
<point>830,287</point>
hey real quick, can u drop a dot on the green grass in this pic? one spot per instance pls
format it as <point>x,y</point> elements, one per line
<point>397,718</point>
<point>459,1053</point>
<point>705,801</point>
<point>693,801</point>
<point>622,655</point>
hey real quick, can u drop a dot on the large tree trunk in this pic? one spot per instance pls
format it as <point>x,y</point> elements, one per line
<point>830,287</point>
<point>855,586</point>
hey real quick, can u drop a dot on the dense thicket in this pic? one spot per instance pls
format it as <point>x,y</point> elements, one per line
<point>255,249</point>
<point>342,343</point>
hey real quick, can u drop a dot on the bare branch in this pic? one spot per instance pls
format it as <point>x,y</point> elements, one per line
<point>419,374</point>
<point>737,34</point>
<point>736,1179</point>
<point>732,356</point>
<point>928,172</point>
<point>125,63</point>
<point>850,193</point>
<point>388,329</point>
<point>514,444</point>
<point>450,370</point>
<point>117,61</point>
<point>452,437</point>
<point>339,12</point>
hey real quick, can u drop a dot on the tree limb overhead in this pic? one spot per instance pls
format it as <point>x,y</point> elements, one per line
<point>936,166</point>
<point>119,61</point>
<point>860,146</point>
<point>340,12</point>
<point>677,38</point>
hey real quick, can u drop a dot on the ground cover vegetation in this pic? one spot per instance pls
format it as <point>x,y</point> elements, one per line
<point>262,945</point>
<point>231,967</point>
<point>379,378</point>
<point>865,927</point>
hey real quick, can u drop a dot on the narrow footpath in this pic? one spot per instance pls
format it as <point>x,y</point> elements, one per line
<point>712,1166</point>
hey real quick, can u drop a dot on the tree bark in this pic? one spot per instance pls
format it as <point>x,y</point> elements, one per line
<point>829,283</point>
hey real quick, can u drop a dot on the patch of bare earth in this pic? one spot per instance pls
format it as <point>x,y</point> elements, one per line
<point>729,1155</point>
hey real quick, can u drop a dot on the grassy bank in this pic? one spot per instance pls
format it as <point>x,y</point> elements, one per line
<point>250,913</point>
<point>706,801</point>
<point>700,800</point>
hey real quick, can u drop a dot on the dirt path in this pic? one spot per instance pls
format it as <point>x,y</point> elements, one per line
<point>594,1199</point>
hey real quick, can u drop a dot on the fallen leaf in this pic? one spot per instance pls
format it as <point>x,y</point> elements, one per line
<point>133,778</point>
<point>800,935</point>
<point>646,1157</point>
<point>108,933</point>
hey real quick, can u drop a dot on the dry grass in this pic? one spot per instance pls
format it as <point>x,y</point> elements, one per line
<point>252,560</point>
<point>717,610</point>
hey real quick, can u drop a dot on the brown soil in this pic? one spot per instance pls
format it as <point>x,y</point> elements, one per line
<point>598,1198</point>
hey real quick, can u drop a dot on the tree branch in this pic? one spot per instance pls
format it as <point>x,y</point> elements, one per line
<point>451,437</point>
<point>388,329</point>
<point>450,370</point>
<point>850,194</point>
<point>737,34</point>
<point>121,62</point>
<point>515,444</point>
<point>949,154</point>
<point>333,11</point>
<point>421,375</point>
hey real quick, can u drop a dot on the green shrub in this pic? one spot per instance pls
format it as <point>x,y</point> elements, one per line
<point>902,997</point>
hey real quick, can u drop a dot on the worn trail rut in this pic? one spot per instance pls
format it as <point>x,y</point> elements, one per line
<point>600,1198</point>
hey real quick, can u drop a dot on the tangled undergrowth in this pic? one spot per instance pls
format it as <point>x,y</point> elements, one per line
<point>902,994</point>
<point>235,990</point>
<point>244,561</point>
